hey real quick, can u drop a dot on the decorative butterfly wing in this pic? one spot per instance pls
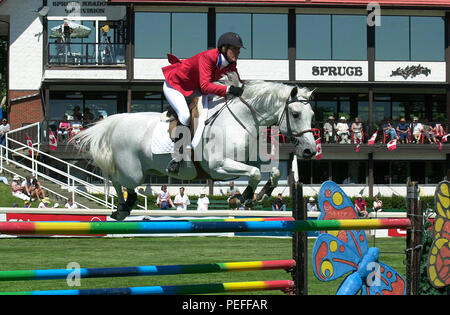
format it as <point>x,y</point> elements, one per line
<point>333,258</point>
<point>334,204</point>
<point>439,257</point>
<point>383,280</point>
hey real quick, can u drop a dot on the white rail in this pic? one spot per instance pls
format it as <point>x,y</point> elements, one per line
<point>73,182</point>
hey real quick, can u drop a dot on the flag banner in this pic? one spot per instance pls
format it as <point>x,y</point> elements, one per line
<point>444,138</point>
<point>53,144</point>
<point>358,145</point>
<point>373,138</point>
<point>392,145</point>
<point>440,145</point>
<point>318,149</point>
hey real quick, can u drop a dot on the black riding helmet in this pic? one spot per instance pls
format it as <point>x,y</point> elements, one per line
<point>230,39</point>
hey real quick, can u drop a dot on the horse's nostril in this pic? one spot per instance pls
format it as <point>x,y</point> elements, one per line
<point>307,152</point>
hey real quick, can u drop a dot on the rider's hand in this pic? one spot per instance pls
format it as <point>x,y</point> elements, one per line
<point>235,90</point>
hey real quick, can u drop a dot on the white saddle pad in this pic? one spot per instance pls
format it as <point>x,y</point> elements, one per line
<point>161,142</point>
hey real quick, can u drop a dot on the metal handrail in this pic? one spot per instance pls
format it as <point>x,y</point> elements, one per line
<point>71,179</point>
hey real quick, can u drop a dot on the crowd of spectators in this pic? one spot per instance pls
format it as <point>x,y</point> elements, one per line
<point>67,128</point>
<point>355,132</point>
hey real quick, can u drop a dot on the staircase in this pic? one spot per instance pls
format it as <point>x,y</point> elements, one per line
<point>18,158</point>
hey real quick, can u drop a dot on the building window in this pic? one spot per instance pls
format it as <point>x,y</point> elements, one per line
<point>146,102</point>
<point>159,33</point>
<point>264,35</point>
<point>337,37</point>
<point>414,38</point>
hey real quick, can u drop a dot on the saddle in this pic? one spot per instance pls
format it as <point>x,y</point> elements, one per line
<point>195,108</point>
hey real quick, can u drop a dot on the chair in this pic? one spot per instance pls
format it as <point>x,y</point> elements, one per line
<point>316,133</point>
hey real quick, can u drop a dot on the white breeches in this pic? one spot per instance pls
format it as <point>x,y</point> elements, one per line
<point>178,103</point>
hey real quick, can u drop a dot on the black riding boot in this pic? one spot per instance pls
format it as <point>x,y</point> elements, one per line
<point>174,164</point>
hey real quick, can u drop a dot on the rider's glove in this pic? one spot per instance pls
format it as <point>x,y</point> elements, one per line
<point>235,90</point>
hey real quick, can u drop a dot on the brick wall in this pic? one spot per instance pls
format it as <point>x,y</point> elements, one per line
<point>26,111</point>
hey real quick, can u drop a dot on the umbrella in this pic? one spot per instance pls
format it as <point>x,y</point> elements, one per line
<point>77,30</point>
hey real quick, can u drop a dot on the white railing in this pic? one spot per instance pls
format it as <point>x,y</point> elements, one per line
<point>73,183</point>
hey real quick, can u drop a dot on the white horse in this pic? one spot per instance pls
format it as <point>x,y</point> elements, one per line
<point>121,144</point>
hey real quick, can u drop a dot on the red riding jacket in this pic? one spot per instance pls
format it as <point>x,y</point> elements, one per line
<point>197,73</point>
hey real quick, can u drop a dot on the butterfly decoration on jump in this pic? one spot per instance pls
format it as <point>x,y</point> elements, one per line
<point>337,253</point>
<point>439,257</point>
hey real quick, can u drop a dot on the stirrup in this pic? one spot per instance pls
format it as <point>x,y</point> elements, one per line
<point>173,167</point>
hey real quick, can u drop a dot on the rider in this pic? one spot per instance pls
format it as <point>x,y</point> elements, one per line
<point>196,75</point>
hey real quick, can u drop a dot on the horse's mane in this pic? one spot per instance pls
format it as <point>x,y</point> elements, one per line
<point>263,92</point>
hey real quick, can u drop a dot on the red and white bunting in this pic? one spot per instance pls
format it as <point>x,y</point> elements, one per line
<point>358,145</point>
<point>53,144</point>
<point>373,138</point>
<point>318,149</point>
<point>30,144</point>
<point>392,145</point>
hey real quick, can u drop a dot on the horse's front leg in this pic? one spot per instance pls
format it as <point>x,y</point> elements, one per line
<point>123,209</point>
<point>268,188</point>
<point>230,168</point>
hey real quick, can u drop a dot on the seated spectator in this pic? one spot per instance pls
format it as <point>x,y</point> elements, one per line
<point>76,127</point>
<point>17,189</point>
<point>389,130</point>
<point>64,129</point>
<point>181,200</point>
<point>236,201</point>
<point>4,180</point>
<point>279,204</point>
<point>231,191</point>
<point>438,131</point>
<point>38,191</point>
<point>311,205</point>
<point>357,130</point>
<point>343,131</point>
<point>70,204</point>
<point>377,204</point>
<point>361,207</point>
<point>27,204</point>
<point>164,200</point>
<point>428,132</point>
<point>4,128</point>
<point>329,129</point>
<point>417,129</point>
<point>403,131</point>
<point>28,187</point>
<point>45,203</point>
<point>202,201</point>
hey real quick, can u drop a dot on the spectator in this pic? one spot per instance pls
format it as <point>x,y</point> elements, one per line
<point>64,128</point>
<point>28,187</point>
<point>357,130</point>
<point>428,133</point>
<point>164,199</point>
<point>438,131</point>
<point>76,127</point>
<point>311,205</point>
<point>181,200</point>
<point>236,201</point>
<point>4,128</point>
<point>403,131</point>
<point>17,189</point>
<point>38,190</point>
<point>70,204</point>
<point>88,116</point>
<point>389,130</point>
<point>343,131</point>
<point>231,191</point>
<point>15,205</point>
<point>45,203</point>
<point>417,129</point>
<point>27,204</point>
<point>4,180</point>
<point>377,204</point>
<point>329,129</point>
<point>203,201</point>
<point>77,114</point>
<point>279,204</point>
<point>361,207</point>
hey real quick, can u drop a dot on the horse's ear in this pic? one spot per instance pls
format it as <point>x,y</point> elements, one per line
<point>310,93</point>
<point>294,92</point>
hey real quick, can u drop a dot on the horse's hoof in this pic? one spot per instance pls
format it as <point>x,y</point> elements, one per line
<point>120,215</point>
<point>260,198</point>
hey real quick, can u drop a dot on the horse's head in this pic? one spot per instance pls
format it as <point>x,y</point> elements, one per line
<point>295,122</point>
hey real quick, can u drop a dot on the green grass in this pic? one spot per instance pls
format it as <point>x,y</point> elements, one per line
<point>49,253</point>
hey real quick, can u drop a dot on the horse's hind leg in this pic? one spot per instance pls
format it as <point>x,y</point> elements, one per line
<point>123,210</point>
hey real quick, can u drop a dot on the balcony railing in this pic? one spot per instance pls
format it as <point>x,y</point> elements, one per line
<point>86,53</point>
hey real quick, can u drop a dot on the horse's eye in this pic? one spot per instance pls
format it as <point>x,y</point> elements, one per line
<point>295,115</point>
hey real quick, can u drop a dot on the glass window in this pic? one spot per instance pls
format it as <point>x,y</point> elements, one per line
<point>357,172</point>
<point>381,172</point>
<point>320,171</point>
<point>399,172</point>
<point>189,34</point>
<point>349,38</point>
<point>392,38</point>
<point>269,36</point>
<point>435,172</point>
<point>439,108</point>
<point>240,23</point>
<point>63,104</point>
<point>418,172</point>
<point>326,105</point>
<point>305,173</point>
<point>152,34</point>
<point>363,107</point>
<point>146,102</point>
<point>427,38</point>
<point>340,172</point>
<point>313,36</point>
<point>104,106</point>
<point>381,108</point>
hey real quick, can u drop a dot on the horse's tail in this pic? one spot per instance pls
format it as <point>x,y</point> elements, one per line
<point>96,140</point>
